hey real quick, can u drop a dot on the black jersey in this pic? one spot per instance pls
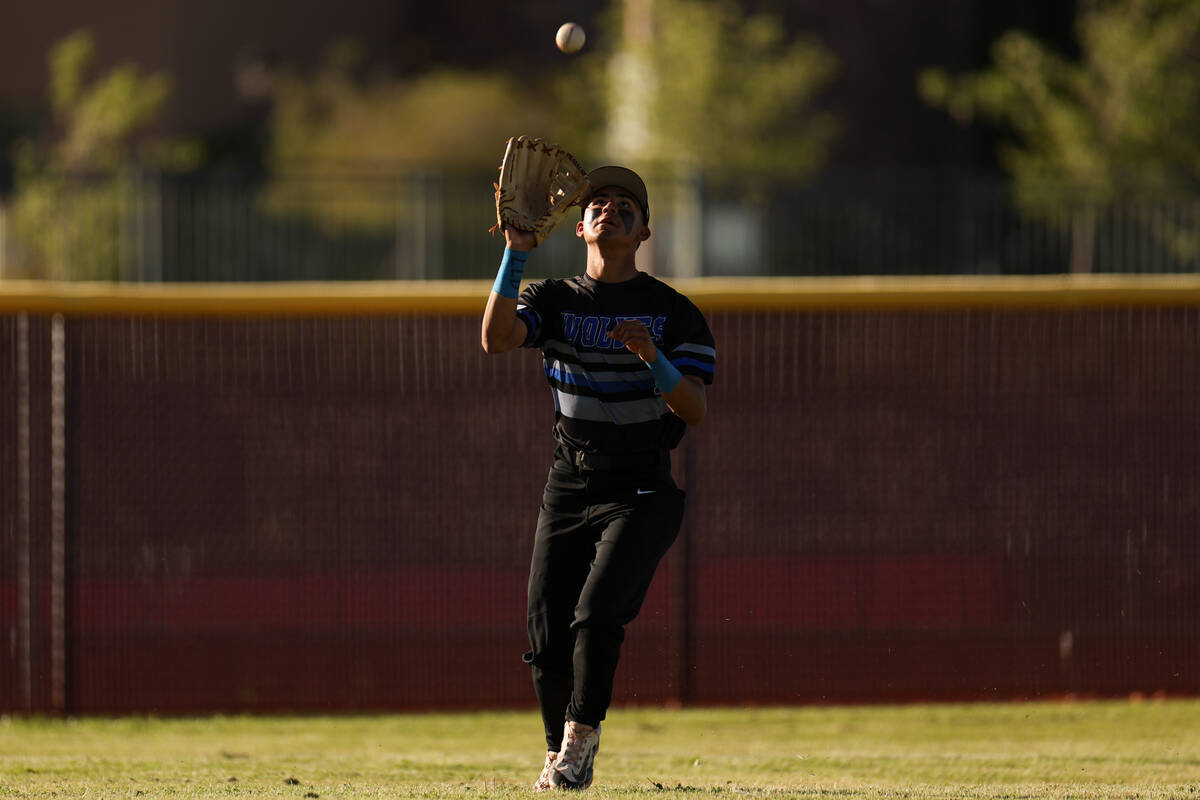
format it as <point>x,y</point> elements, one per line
<point>605,399</point>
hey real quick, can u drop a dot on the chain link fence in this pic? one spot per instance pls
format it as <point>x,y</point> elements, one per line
<point>428,225</point>
<point>322,511</point>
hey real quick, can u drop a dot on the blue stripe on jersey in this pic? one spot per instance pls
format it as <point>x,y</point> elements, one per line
<point>691,362</point>
<point>600,387</point>
<point>533,323</point>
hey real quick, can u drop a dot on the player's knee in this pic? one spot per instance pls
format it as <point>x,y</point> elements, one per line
<point>551,643</point>
<point>603,619</point>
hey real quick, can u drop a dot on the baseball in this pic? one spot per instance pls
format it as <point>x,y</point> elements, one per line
<point>570,37</point>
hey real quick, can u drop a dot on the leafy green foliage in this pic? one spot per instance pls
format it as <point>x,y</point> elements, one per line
<point>1119,123</point>
<point>337,131</point>
<point>72,185</point>
<point>722,92</point>
<point>733,94</point>
<point>728,94</point>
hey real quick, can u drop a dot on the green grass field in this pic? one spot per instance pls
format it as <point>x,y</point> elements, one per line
<point>1019,750</point>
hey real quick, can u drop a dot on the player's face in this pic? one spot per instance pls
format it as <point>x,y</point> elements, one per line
<point>612,213</point>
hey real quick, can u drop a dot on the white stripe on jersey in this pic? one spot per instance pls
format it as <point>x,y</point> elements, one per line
<point>595,410</point>
<point>696,348</point>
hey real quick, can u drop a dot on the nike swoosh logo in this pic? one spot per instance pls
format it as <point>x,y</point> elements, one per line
<point>645,491</point>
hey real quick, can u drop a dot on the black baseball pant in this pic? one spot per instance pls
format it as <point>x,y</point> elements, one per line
<point>600,536</point>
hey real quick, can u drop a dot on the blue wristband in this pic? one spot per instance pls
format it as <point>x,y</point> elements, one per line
<point>512,267</point>
<point>665,374</point>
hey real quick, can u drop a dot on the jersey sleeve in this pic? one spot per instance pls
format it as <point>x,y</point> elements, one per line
<point>531,308</point>
<point>691,346</point>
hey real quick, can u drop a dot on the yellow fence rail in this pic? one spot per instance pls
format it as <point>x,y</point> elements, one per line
<point>711,294</point>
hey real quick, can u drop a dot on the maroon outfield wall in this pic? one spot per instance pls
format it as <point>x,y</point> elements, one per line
<point>270,503</point>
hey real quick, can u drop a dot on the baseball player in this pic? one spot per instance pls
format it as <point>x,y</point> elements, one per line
<point>627,359</point>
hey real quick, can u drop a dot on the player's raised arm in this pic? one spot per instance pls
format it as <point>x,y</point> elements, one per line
<point>503,330</point>
<point>539,183</point>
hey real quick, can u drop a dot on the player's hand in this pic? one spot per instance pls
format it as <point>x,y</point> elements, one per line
<point>636,337</point>
<point>518,240</point>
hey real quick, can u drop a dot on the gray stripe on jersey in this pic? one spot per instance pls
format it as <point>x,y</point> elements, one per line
<point>589,359</point>
<point>596,410</point>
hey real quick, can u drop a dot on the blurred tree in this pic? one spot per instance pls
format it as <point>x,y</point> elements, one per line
<point>71,185</point>
<point>339,142</point>
<point>1120,123</point>
<point>694,92</point>
<point>697,85</point>
<point>728,95</point>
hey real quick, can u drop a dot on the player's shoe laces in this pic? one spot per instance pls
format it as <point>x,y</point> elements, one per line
<point>573,769</point>
<point>543,782</point>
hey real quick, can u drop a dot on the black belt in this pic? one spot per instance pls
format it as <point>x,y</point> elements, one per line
<point>645,461</point>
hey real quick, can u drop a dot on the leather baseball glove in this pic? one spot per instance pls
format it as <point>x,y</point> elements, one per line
<point>539,183</point>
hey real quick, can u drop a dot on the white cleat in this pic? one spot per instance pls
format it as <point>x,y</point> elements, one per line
<point>543,782</point>
<point>573,770</point>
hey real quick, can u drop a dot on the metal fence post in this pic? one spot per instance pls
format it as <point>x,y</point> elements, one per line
<point>58,514</point>
<point>24,521</point>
